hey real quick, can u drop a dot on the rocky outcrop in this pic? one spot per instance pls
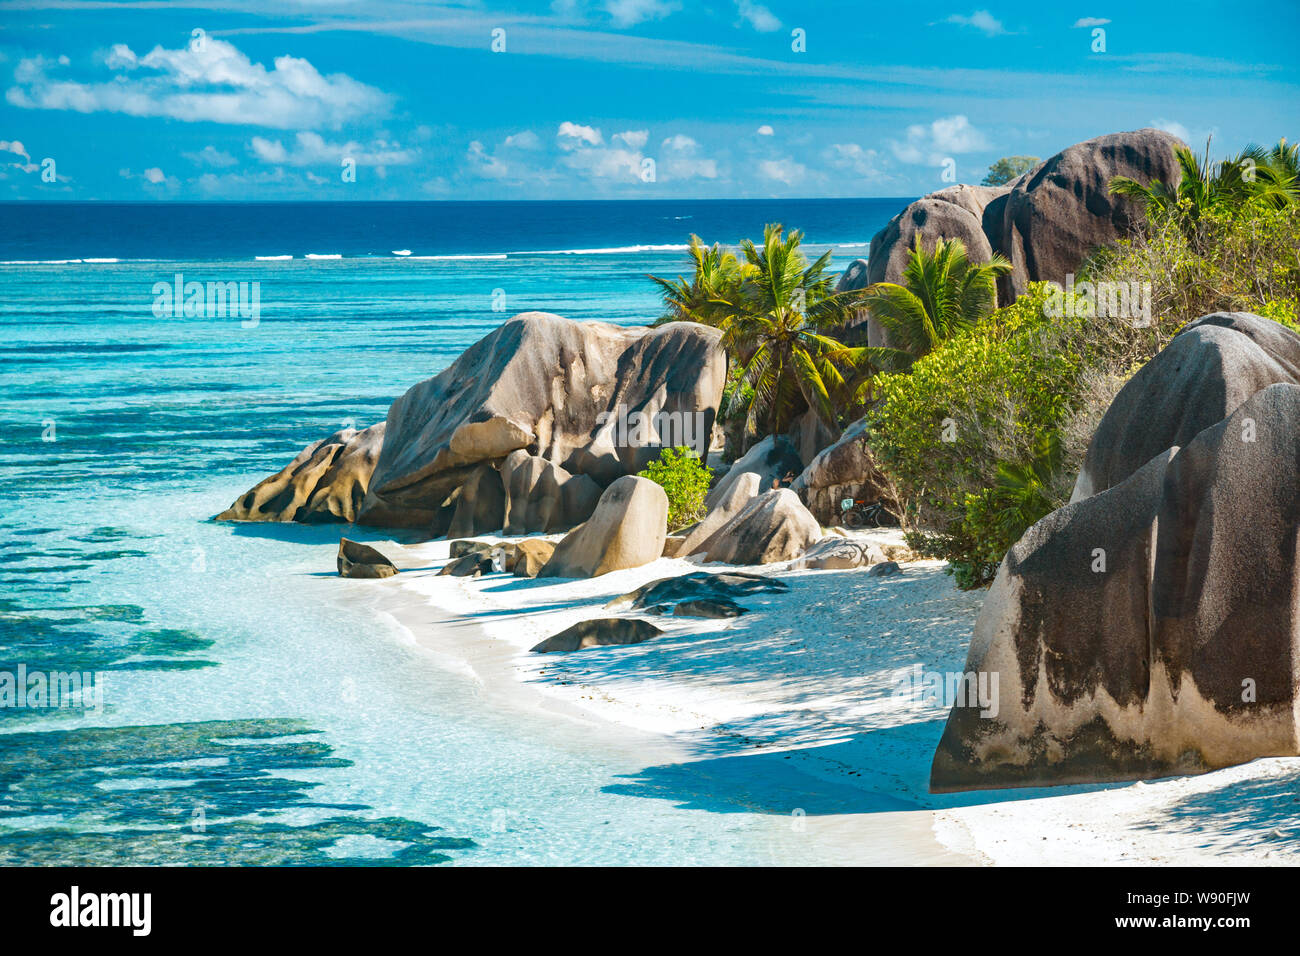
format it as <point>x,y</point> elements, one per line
<point>523,559</point>
<point>626,530</point>
<point>775,526</point>
<point>327,481</point>
<point>602,632</point>
<point>708,607</point>
<point>1148,629</point>
<point>696,586</point>
<point>739,492</point>
<point>1046,222</point>
<point>480,504</point>
<point>357,560</point>
<point>543,384</point>
<point>771,459</point>
<point>1062,210</point>
<point>577,405</point>
<point>836,553</point>
<point>956,212</point>
<point>1211,367</point>
<point>543,497</point>
<point>844,470</point>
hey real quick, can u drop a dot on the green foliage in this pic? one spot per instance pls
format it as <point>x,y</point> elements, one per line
<point>718,275</point>
<point>1008,168</point>
<point>1272,176</point>
<point>685,479</point>
<point>942,293</point>
<point>775,313</point>
<point>961,436</point>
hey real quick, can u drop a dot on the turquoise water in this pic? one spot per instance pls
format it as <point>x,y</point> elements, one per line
<point>254,709</point>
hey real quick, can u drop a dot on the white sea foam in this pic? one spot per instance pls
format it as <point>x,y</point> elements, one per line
<point>323,255</point>
<point>401,252</point>
<point>273,258</point>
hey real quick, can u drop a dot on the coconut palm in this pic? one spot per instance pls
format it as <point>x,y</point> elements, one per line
<point>942,293</point>
<point>718,273</point>
<point>777,320</point>
<point>1255,173</point>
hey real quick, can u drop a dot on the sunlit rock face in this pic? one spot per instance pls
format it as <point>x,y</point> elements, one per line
<point>1149,629</point>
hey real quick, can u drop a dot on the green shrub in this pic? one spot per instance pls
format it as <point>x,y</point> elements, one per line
<point>685,479</point>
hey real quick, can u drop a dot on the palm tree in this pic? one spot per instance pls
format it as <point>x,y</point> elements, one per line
<point>1254,173</point>
<point>942,293</point>
<point>718,273</point>
<point>777,319</point>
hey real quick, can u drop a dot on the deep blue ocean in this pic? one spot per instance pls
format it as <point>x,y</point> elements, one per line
<point>251,714</point>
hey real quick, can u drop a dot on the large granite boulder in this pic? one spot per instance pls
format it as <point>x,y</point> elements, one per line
<point>1213,365</point>
<point>357,560</point>
<point>602,632</point>
<point>836,553</point>
<point>952,213</point>
<point>555,388</point>
<point>740,491</point>
<point>1150,629</point>
<point>327,481</point>
<point>540,496</point>
<point>626,530</point>
<point>775,526</point>
<point>698,586</point>
<point>771,459</point>
<point>480,504</point>
<point>846,469</point>
<point>589,401</point>
<point>1062,210</point>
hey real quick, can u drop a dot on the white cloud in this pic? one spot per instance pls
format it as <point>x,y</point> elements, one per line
<point>217,84</point>
<point>980,20</point>
<point>1091,22</point>
<point>864,163</point>
<point>312,149</point>
<point>526,139</point>
<point>784,170</point>
<point>934,143</point>
<point>633,138</point>
<point>679,159</point>
<point>626,13</point>
<point>211,156</point>
<point>765,130</point>
<point>15,147</point>
<point>1174,127</point>
<point>485,164</point>
<point>758,16</point>
<point>573,136</point>
<point>154,175</point>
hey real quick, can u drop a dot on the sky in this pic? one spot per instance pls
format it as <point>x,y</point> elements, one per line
<point>594,99</point>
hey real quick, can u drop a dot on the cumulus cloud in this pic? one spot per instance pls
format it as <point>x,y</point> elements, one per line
<point>1090,22</point>
<point>680,159</point>
<point>932,144</point>
<point>211,156</point>
<point>626,13</point>
<point>213,83</point>
<point>633,138</point>
<point>758,16</point>
<point>980,20</point>
<point>853,158</point>
<point>18,149</point>
<point>573,136</point>
<point>312,149</point>
<point>1174,127</point>
<point>526,139</point>
<point>765,130</point>
<point>785,170</point>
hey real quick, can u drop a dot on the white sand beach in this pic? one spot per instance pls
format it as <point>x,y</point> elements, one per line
<point>791,709</point>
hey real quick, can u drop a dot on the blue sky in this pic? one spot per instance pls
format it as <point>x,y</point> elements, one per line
<point>607,98</point>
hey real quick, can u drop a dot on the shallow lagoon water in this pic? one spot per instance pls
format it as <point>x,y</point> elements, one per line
<point>255,711</point>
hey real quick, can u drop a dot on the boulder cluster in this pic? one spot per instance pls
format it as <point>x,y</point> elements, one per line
<point>1152,626</point>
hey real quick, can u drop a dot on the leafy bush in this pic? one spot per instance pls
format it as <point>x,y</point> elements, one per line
<point>979,406</point>
<point>1008,168</point>
<point>685,479</point>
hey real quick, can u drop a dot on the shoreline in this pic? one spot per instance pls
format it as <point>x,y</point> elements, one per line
<point>675,723</point>
<point>759,712</point>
